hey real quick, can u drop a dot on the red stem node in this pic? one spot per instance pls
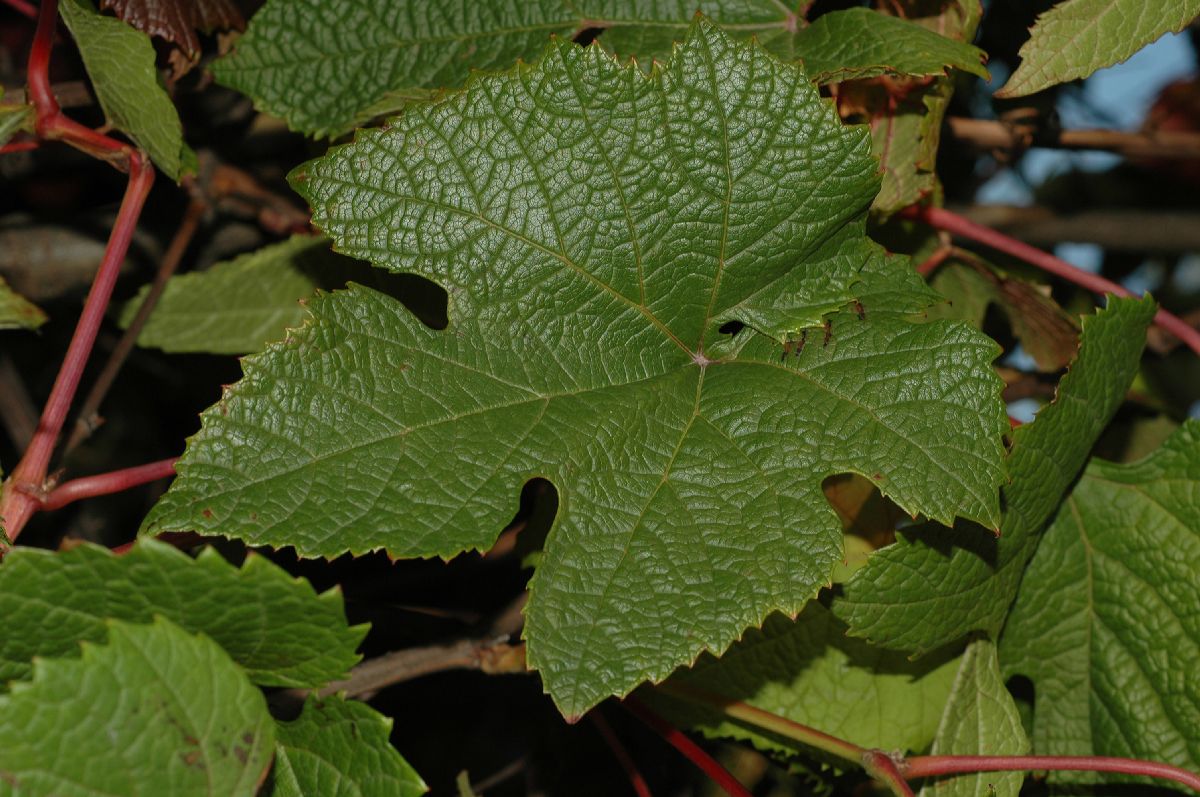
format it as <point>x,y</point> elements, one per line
<point>942,219</point>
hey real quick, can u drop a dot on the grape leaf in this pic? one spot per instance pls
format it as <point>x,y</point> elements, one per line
<point>154,711</point>
<point>936,584</point>
<point>120,63</point>
<point>980,718</point>
<point>178,20</point>
<point>236,306</point>
<point>810,672</point>
<point>859,43</point>
<point>17,312</point>
<point>906,119</point>
<point>274,626</point>
<point>1047,332</point>
<point>596,228</point>
<point>340,748</point>
<point>388,55</point>
<point>1105,623</point>
<point>1076,37</point>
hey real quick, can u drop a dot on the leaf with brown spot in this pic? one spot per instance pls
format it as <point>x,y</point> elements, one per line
<point>178,20</point>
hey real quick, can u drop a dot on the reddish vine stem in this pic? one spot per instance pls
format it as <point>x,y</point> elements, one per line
<point>883,768</point>
<point>108,483</point>
<point>19,146</point>
<point>942,219</point>
<point>22,7</point>
<point>24,492</point>
<point>934,765</point>
<point>689,749</point>
<point>619,752</point>
<point>88,419</point>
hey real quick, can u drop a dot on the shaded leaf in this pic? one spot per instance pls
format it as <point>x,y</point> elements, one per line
<point>1046,332</point>
<point>17,312</point>
<point>273,625</point>
<point>859,43</point>
<point>1076,37</point>
<point>905,117</point>
<point>596,228</point>
<point>980,718</point>
<point>1105,622</point>
<point>936,584</point>
<point>120,64</point>
<point>13,119</point>
<point>178,20</point>
<point>807,670</point>
<point>340,748</point>
<point>237,306</point>
<point>154,711</point>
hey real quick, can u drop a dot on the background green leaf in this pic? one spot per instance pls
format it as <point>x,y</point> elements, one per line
<point>154,711</point>
<point>237,306</point>
<point>1106,624</point>
<point>14,118</point>
<point>860,43</point>
<point>340,748</point>
<point>120,63</point>
<point>810,672</point>
<point>980,718</point>
<point>936,584</point>
<point>273,625</point>
<point>596,228</point>
<point>1076,37</point>
<point>17,312</point>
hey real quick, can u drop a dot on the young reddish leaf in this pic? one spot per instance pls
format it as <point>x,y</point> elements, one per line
<point>597,229</point>
<point>178,20</point>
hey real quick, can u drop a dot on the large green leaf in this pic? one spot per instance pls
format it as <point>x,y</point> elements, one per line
<point>809,671</point>
<point>361,58</point>
<point>1106,624</point>
<point>340,748</point>
<point>596,228</point>
<point>17,312</point>
<point>980,718</point>
<point>859,43</point>
<point>936,584</point>
<point>120,63</point>
<point>274,626</point>
<point>1076,37</point>
<point>155,711</point>
<point>237,306</point>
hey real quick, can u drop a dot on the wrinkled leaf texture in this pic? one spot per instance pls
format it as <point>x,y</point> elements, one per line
<point>596,228</point>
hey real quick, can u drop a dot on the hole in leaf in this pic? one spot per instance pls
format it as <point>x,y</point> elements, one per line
<point>587,35</point>
<point>526,534</point>
<point>731,327</point>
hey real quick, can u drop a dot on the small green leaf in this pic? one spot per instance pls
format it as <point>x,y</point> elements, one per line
<point>1106,624</point>
<point>808,671</point>
<point>120,63</point>
<point>980,718</point>
<point>274,626</point>
<point>596,228</point>
<point>17,312</point>
<point>237,306</point>
<point>13,119</point>
<point>154,711</point>
<point>1076,37</point>
<point>936,584</point>
<point>859,43</point>
<point>340,748</point>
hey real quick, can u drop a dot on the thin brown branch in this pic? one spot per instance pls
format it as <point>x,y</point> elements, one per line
<point>490,655</point>
<point>88,419</point>
<point>989,134</point>
<point>17,410</point>
<point>1122,230</point>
